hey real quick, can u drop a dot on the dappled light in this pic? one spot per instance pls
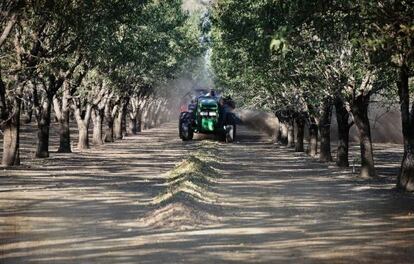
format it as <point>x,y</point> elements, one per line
<point>269,205</point>
<point>206,131</point>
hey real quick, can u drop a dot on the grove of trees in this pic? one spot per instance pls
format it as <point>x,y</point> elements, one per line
<point>302,59</point>
<point>100,63</point>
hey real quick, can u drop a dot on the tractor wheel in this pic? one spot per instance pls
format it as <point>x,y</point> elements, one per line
<point>181,123</point>
<point>180,129</point>
<point>184,127</point>
<point>187,132</point>
<point>230,128</point>
<point>230,133</point>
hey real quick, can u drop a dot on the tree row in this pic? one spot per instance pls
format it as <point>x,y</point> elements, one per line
<point>105,63</point>
<point>302,59</point>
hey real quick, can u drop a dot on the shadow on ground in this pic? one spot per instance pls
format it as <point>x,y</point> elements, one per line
<point>277,206</point>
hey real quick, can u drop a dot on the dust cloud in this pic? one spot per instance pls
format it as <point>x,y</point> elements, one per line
<point>195,5</point>
<point>385,124</point>
<point>259,121</point>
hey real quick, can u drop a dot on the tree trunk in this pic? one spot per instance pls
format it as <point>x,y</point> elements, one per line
<point>342,118</point>
<point>119,122</point>
<point>360,113</point>
<point>139,121</point>
<point>132,127</point>
<point>300,135</point>
<point>405,179</point>
<point>62,114</point>
<point>291,133</point>
<point>43,124</point>
<point>313,139</point>
<point>97,116</point>
<point>83,141</point>
<point>83,126</point>
<point>132,113</point>
<point>284,133</point>
<point>325,132</point>
<point>124,124</point>
<point>118,126</point>
<point>11,135</point>
<point>109,124</point>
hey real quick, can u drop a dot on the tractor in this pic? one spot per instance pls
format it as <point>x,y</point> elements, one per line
<point>209,114</point>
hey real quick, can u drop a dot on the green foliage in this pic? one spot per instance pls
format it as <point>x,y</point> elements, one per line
<point>292,54</point>
<point>132,44</point>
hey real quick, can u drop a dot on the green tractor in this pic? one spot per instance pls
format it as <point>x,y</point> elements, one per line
<point>209,115</point>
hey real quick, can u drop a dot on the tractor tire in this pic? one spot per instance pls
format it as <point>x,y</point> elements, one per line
<point>181,123</point>
<point>187,132</point>
<point>180,130</point>
<point>230,133</point>
<point>230,128</point>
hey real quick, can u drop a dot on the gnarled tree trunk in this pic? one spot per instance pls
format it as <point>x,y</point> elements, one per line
<point>132,126</point>
<point>11,135</point>
<point>43,126</point>
<point>83,125</point>
<point>62,112</point>
<point>405,179</point>
<point>83,140</point>
<point>109,123</point>
<point>119,121</point>
<point>300,134</point>
<point>325,131</point>
<point>313,138</point>
<point>97,136</point>
<point>342,118</point>
<point>118,125</point>
<point>139,121</point>
<point>10,107</point>
<point>132,116</point>
<point>360,113</point>
<point>291,133</point>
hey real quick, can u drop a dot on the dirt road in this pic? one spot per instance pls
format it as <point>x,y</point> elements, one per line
<point>270,206</point>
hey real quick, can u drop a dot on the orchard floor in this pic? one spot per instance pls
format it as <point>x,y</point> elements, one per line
<point>272,206</point>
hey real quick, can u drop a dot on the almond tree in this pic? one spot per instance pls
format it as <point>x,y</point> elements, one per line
<point>390,38</point>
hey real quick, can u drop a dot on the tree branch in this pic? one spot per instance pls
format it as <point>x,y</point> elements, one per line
<point>7,29</point>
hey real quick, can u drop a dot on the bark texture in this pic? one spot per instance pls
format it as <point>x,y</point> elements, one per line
<point>313,138</point>
<point>119,122</point>
<point>97,136</point>
<point>11,135</point>
<point>62,112</point>
<point>43,127</point>
<point>300,134</point>
<point>342,118</point>
<point>83,120</point>
<point>360,113</point>
<point>325,131</point>
<point>109,123</point>
<point>291,133</point>
<point>405,179</point>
